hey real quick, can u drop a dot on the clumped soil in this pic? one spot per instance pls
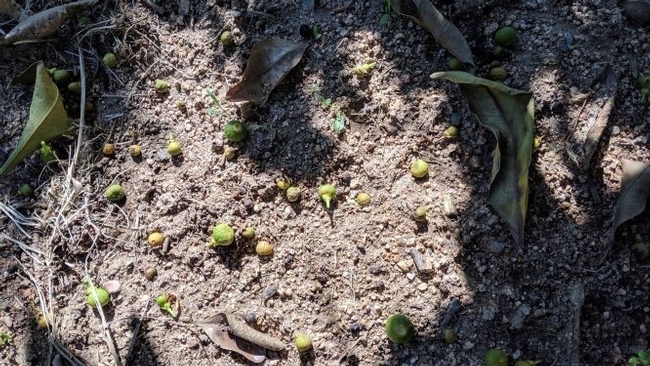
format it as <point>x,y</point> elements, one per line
<point>564,297</point>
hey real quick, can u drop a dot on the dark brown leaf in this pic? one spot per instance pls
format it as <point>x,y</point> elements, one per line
<point>635,189</point>
<point>446,34</point>
<point>270,61</point>
<point>638,11</point>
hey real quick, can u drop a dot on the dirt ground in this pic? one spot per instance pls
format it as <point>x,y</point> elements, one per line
<point>564,297</point>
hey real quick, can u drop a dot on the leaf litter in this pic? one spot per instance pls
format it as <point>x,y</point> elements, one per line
<point>635,190</point>
<point>269,63</point>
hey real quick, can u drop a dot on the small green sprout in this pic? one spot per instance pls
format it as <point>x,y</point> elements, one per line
<point>495,357</point>
<point>26,190</point>
<point>46,153</point>
<point>315,32</point>
<point>385,17</point>
<point>419,168</point>
<point>399,328</point>
<point>235,131</point>
<point>218,109</point>
<point>303,342</point>
<point>5,338</point>
<point>161,86</point>
<point>165,301</point>
<point>110,60</point>
<point>640,359</point>
<point>338,123</point>
<point>102,295</point>
<point>327,192</point>
<point>222,235</point>
<point>114,193</point>
<point>643,84</point>
<point>364,69</point>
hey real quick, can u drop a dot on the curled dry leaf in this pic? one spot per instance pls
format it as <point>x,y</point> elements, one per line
<point>638,11</point>
<point>44,23</point>
<point>509,114</point>
<point>635,190</point>
<point>48,120</point>
<point>270,61</point>
<point>231,333</point>
<point>11,8</point>
<point>446,33</point>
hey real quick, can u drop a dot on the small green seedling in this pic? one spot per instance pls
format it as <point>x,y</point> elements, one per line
<point>102,295</point>
<point>46,153</point>
<point>26,190</point>
<point>643,84</point>
<point>315,32</point>
<point>114,193</point>
<point>327,192</point>
<point>5,338</point>
<point>640,359</point>
<point>338,123</point>
<point>399,329</point>
<point>303,342</point>
<point>217,110</point>
<point>235,131</point>
<point>385,17</point>
<point>495,357</point>
<point>165,301</point>
<point>222,235</point>
<point>364,69</point>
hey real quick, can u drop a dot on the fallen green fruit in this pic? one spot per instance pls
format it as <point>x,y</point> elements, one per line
<point>222,235</point>
<point>235,131</point>
<point>327,192</point>
<point>114,193</point>
<point>399,329</point>
<point>505,36</point>
<point>302,342</point>
<point>495,357</point>
<point>110,60</point>
<point>102,296</point>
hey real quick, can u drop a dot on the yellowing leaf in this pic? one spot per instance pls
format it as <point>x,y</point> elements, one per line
<point>509,114</point>
<point>270,61</point>
<point>635,190</point>
<point>47,120</point>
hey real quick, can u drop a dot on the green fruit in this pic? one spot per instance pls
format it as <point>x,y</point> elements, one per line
<point>26,190</point>
<point>526,363</point>
<point>363,199</point>
<point>293,194</point>
<point>174,148</point>
<point>302,342</point>
<point>226,38</point>
<point>283,183</point>
<point>498,73</point>
<point>114,193</point>
<point>450,336</point>
<point>235,131</point>
<point>327,192</point>
<point>222,234</point>
<point>110,60</point>
<point>61,76</point>
<point>161,86</point>
<point>399,329</point>
<point>451,132</point>
<point>420,214</point>
<point>249,232</point>
<point>419,168</point>
<point>495,357</point>
<point>505,36</point>
<point>102,296</point>
<point>74,87</point>
<point>454,64</point>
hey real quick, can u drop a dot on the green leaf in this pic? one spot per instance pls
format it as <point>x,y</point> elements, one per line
<point>635,190</point>
<point>446,34</point>
<point>48,120</point>
<point>338,124</point>
<point>384,19</point>
<point>509,114</point>
<point>327,102</point>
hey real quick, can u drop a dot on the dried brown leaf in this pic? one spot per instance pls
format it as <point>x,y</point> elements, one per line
<point>11,8</point>
<point>638,11</point>
<point>635,190</point>
<point>446,33</point>
<point>229,332</point>
<point>44,23</point>
<point>270,61</point>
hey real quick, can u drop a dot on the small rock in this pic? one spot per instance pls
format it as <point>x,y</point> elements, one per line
<point>8,322</point>
<point>404,266</point>
<point>410,276</point>
<point>422,287</point>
